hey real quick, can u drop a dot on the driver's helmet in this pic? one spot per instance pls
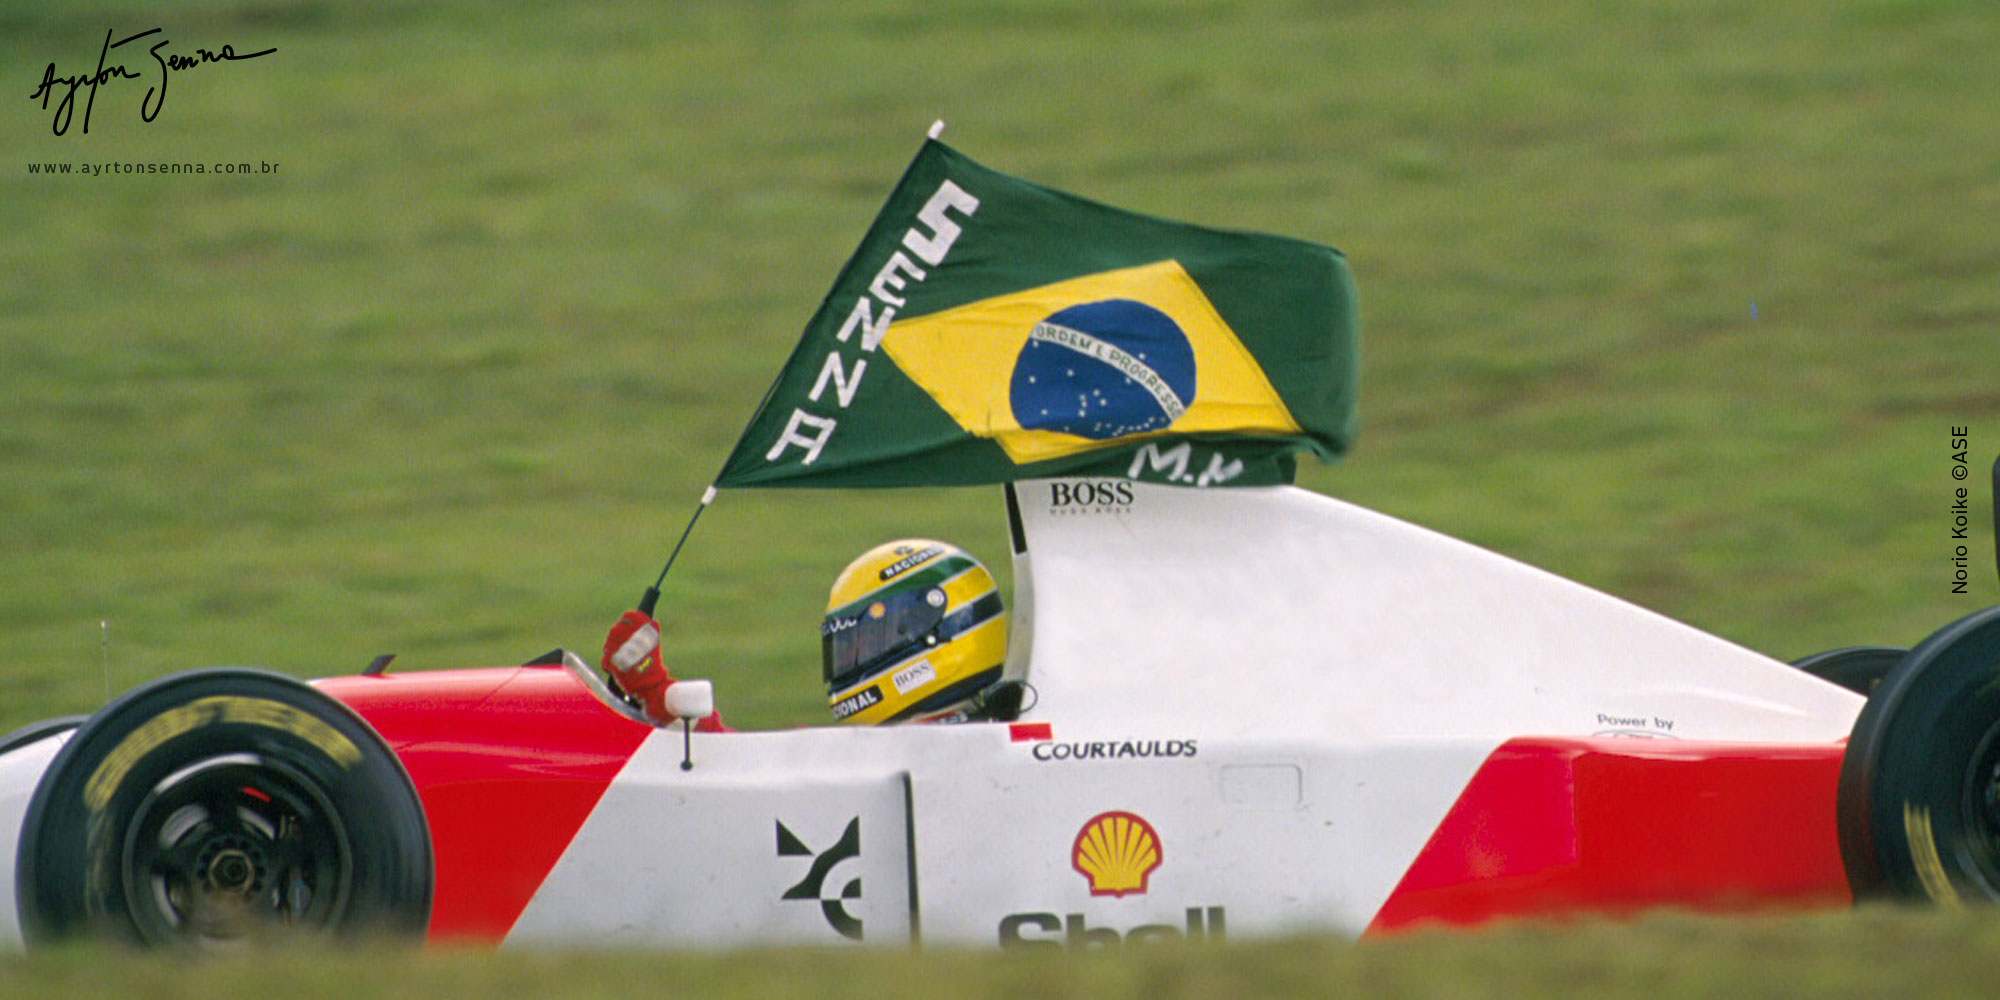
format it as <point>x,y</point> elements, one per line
<point>914,630</point>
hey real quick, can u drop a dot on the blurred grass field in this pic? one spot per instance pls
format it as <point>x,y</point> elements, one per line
<point>1680,301</point>
<point>1873,954</point>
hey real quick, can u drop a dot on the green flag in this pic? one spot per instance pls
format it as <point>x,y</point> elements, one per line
<point>989,329</point>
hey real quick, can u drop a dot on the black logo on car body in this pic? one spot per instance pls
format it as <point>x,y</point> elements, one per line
<point>813,886</point>
<point>1089,493</point>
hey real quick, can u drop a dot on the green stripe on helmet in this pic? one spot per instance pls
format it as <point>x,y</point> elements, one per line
<point>932,574</point>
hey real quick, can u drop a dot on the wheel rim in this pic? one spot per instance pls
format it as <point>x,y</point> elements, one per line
<point>1981,804</point>
<point>231,847</point>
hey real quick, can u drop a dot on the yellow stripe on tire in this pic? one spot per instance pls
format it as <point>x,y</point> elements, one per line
<point>1924,855</point>
<point>179,721</point>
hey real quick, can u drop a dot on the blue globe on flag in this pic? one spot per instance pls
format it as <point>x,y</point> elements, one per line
<point>1103,370</point>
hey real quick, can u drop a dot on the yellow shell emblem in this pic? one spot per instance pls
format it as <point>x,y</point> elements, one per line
<point>1116,851</point>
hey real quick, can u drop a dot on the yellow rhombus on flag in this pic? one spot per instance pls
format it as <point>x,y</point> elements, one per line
<point>966,358</point>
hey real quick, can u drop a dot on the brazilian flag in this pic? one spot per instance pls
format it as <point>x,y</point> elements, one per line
<point>989,329</point>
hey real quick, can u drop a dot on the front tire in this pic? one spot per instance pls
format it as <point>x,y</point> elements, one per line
<point>221,805</point>
<point>1919,802</point>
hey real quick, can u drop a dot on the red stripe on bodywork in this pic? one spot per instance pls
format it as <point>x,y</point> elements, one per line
<point>508,762</point>
<point>1552,826</point>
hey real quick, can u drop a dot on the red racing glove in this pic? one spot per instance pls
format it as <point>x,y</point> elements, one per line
<point>632,657</point>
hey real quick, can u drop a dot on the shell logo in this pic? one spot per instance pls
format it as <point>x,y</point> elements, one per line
<point>1117,851</point>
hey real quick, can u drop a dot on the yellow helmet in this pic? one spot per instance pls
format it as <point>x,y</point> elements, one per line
<point>914,630</point>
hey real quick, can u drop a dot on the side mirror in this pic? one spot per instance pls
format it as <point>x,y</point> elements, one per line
<point>691,699</point>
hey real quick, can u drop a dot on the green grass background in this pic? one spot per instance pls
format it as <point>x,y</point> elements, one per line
<point>1873,953</point>
<point>1676,299</point>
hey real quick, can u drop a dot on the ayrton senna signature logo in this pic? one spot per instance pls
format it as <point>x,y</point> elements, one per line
<point>813,886</point>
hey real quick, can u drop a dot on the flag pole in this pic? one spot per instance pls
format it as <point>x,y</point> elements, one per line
<point>651,599</point>
<point>652,595</point>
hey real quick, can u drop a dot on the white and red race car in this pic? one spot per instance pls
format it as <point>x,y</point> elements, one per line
<point>1258,711</point>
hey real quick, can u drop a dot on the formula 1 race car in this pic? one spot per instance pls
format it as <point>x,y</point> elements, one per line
<point>1256,710</point>
<point>1427,732</point>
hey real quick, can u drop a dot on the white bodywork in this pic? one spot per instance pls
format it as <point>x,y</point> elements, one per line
<point>1275,611</point>
<point>19,771</point>
<point>1311,686</point>
<point>1278,835</point>
<point>1292,691</point>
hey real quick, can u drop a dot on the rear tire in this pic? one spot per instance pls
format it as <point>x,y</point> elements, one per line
<point>1919,799</point>
<point>221,805</point>
<point>1860,669</point>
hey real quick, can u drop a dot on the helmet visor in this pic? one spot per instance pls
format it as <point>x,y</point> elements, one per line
<point>878,633</point>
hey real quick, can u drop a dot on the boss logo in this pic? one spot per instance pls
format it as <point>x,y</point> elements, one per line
<point>1091,493</point>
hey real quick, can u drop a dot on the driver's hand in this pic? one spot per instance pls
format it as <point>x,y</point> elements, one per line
<point>632,657</point>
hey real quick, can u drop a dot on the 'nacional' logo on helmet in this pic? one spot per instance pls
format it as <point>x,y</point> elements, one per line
<point>1103,370</point>
<point>1117,851</point>
<point>911,559</point>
